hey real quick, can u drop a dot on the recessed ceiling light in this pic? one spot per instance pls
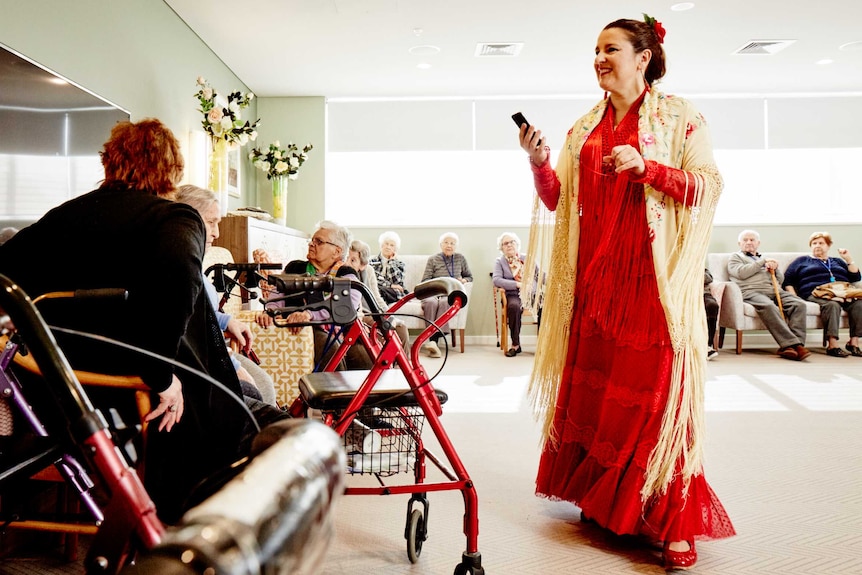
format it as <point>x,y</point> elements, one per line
<point>424,50</point>
<point>682,6</point>
<point>851,46</point>
<point>825,61</point>
<point>423,65</point>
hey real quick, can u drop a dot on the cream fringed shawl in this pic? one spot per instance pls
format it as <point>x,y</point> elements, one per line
<point>671,132</point>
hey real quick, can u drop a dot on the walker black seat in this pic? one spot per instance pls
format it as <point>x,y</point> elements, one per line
<point>332,391</point>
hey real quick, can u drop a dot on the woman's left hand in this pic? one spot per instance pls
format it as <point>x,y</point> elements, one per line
<point>626,158</point>
<point>170,407</point>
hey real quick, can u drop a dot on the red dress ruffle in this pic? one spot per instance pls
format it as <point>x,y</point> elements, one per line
<point>615,382</point>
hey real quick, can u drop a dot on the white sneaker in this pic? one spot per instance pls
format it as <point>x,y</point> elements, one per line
<point>711,354</point>
<point>432,349</point>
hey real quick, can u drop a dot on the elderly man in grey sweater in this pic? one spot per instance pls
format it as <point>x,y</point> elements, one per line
<point>753,271</point>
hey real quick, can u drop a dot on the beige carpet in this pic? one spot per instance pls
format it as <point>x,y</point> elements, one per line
<point>784,454</point>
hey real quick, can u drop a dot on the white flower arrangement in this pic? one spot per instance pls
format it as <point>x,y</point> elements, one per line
<point>225,122</point>
<point>278,161</point>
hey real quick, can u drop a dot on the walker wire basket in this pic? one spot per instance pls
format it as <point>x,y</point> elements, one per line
<point>384,441</point>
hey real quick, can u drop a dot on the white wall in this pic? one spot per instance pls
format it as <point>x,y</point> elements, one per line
<point>142,57</point>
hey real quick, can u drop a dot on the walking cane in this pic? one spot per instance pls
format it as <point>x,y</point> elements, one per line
<point>777,294</point>
<point>496,316</point>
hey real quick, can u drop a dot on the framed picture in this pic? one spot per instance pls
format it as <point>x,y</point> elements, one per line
<point>234,176</point>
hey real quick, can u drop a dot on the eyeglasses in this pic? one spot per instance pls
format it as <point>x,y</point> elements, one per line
<point>509,243</point>
<point>316,242</point>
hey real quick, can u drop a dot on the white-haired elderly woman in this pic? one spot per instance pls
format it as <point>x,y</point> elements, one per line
<point>447,263</point>
<point>508,275</point>
<point>388,268</point>
<point>359,260</point>
<point>206,203</point>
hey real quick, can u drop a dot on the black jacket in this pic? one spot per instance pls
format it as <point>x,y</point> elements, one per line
<point>116,237</point>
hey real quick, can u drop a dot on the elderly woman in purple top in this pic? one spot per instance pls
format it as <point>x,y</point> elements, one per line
<point>805,273</point>
<point>508,275</point>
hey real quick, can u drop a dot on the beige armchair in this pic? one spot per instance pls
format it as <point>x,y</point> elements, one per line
<point>739,316</point>
<point>414,267</point>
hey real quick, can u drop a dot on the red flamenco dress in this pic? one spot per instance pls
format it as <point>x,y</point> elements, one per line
<point>615,381</point>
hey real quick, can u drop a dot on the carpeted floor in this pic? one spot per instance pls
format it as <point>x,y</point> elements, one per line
<point>783,452</point>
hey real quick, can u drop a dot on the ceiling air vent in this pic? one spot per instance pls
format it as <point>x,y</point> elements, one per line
<point>763,47</point>
<point>487,49</point>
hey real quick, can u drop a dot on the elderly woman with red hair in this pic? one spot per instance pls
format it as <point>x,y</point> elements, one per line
<point>806,273</point>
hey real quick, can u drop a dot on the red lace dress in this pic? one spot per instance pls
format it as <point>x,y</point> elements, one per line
<point>615,382</point>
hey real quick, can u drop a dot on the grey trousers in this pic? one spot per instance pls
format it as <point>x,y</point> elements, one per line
<point>786,333</point>
<point>830,313</point>
<point>434,307</point>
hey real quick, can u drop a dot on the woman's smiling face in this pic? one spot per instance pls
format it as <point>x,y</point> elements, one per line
<point>616,64</point>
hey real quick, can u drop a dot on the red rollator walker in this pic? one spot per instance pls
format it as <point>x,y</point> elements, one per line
<point>380,412</point>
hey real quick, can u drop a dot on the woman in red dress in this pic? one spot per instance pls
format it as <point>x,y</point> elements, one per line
<point>634,193</point>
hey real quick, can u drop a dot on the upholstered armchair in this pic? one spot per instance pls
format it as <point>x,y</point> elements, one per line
<point>414,267</point>
<point>739,316</point>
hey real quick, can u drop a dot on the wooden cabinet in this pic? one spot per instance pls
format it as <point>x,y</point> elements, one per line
<point>242,235</point>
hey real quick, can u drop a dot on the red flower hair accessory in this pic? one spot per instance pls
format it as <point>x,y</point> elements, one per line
<point>656,26</point>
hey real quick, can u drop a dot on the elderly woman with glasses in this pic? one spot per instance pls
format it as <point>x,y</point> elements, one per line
<point>328,249</point>
<point>508,275</point>
<point>447,263</point>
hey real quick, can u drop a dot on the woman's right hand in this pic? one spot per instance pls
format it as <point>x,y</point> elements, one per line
<point>533,143</point>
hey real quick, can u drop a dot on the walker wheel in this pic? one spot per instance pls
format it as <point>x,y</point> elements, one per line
<point>415,535</point>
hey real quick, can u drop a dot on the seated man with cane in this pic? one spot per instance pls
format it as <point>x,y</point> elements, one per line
<point>759,280</point>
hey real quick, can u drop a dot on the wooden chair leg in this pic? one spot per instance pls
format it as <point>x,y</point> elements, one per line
<point>462,340</point>
<point>721,331</point>
<point>738,342</point>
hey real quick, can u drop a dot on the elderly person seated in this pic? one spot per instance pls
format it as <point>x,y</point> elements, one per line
<point>710,305</point>
<point>388,268</point>
<point>358,260</point>
<point>508,275</point>
<point>328,249</point>
<point>447,263</point>
<point>758,278</point>
<point>806,273</point>
<point>102,239</point>
<point>206,203</point>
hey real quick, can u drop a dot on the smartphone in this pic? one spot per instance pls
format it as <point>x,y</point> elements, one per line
<point>519,119</point>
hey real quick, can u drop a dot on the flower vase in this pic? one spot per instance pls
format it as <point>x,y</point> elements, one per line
<point>279,199</point>
<point>218,177</point>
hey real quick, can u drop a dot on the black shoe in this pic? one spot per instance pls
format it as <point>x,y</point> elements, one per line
<point>518,349</point>
<point>512,352</point>
<point>836,352</point>
<point>854,350</point>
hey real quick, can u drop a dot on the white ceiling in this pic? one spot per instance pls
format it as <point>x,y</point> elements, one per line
<point>360,48</point>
